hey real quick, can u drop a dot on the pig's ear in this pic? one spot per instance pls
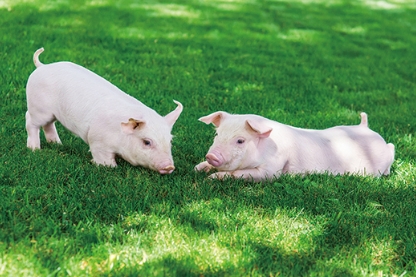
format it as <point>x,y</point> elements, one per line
<point>132,125</point>
<point>214,118</point>
<point>174,115</point>
<point>261,130</point>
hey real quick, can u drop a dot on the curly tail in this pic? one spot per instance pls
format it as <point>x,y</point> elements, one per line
<point>36,57</point>
<point>364,120</point>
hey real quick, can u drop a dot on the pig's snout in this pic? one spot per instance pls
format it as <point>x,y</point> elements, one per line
<point>166,170</point>
<point>214,160</point>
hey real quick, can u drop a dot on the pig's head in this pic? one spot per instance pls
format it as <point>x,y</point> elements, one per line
<point>239,141</point>
<point>148,142</point>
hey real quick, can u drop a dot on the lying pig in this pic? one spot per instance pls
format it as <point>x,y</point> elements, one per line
<point>111,122</point>
<point>256,148</point>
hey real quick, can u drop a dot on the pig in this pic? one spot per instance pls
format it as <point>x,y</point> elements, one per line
<point>110,121</point>
<point>256,148</point>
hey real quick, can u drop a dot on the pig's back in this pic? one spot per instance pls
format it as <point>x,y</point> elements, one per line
<point>76,95</point>
<point>71,81</point>
<point>354,149</point>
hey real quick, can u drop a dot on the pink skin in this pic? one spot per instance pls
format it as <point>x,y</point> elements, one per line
<point>110,121</point>
<point>245,147</point>
<point>167,169</point>
<point>214,159</point>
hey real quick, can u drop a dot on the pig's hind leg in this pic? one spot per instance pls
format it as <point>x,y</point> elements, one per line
<point>50,133</point>
<point>33,140</point>
<point>33,125</point>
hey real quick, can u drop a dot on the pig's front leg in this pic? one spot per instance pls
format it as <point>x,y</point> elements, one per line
<point>102,157</point>
<point>205,166</point>
<point>253,174</point>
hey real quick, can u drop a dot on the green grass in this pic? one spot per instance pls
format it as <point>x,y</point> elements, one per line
<point>311,64</point>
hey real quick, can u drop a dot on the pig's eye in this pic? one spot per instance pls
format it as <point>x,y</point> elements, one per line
<point>240,141</point>
<point>147,142</point>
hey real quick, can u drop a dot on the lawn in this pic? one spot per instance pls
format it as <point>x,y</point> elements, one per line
<point>306,63</point>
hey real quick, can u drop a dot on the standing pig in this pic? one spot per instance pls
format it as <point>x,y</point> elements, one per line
<point>107,119</point>
<point>256,148</point>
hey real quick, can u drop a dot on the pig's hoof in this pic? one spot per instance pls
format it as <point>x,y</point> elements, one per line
<point>111,163</point>
<point>57,141</point>
<point>204,166</point>
<point>220,175</point>
<point>33,147</point>
<point>33,144</point>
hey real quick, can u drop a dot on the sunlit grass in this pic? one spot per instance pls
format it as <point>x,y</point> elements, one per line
<point>300,35</point>
<point>171,10</point>
<point>389,4</point>
<point>374,4</point>
<point>359,30</point>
